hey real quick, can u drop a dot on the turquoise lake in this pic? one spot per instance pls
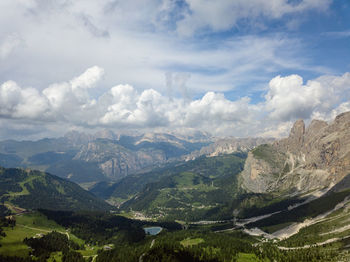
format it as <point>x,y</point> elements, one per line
<point>152,230</point>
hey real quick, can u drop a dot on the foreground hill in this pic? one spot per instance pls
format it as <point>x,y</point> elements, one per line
<point>94,236</point>
<point>34,189</point>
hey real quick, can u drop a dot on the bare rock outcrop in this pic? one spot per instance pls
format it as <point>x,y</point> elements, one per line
<point>115,160</point>
<point>310,159</point>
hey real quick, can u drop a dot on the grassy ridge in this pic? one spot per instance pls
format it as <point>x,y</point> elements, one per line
<point>34,189</point>
<point>269,154</point>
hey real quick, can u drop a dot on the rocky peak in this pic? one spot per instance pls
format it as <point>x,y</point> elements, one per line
<point>312,159</point>
<point>77,138</point>
<point>295,140</point>
<point>298,130</point>
<point>106,134</point>
<point>343,117</point>
<point>315,126</point>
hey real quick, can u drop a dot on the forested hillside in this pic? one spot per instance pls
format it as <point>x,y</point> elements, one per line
<point>200,189</point>
<point>30,189</point>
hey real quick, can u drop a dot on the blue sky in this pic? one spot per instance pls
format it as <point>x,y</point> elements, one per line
<point>244,67</point>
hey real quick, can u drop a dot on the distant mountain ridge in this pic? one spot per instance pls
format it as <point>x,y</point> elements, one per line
<point>229,145</point>
<point>106,156</point>
<point>103,156</point>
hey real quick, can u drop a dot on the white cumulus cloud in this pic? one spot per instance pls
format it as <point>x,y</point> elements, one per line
<point>288,98</point>
<point>88,79</point>
<point>17,102</point>
<point>128,107</point>
<point>122,107</point>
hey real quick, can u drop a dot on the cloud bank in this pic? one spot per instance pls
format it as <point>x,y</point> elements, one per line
<point>122,107</point>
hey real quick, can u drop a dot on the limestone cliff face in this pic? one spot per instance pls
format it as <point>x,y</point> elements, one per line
<point>118,155</point>
<point>310,159</point>
<point>116,161</point>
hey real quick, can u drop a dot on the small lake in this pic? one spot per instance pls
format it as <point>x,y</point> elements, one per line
<point>152,230</point>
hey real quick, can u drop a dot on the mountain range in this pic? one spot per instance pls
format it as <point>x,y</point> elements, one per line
<point>106,156</point>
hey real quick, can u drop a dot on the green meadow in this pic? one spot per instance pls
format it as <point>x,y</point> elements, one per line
<point>29,225</point>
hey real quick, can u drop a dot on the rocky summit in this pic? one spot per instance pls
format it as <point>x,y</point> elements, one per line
<point>310,160</point>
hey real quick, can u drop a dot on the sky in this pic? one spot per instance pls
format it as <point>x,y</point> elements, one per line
<point>231,68</point>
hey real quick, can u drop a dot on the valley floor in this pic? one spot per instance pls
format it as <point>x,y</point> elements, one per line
<point>199,238</point>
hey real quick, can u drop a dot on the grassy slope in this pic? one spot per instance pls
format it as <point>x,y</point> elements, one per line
<point>34,189</point>
<point>191,241</point>
<point>269,154</point>
<point>28,225</point>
